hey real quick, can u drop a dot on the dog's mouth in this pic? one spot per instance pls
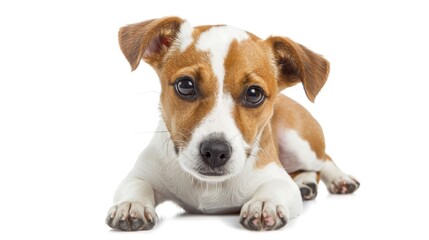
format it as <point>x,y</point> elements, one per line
<point>209,172</point>
<point>211,176</point>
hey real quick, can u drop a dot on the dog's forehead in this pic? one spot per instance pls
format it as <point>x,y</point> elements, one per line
<point>214,40</point>
<point>217,41</point>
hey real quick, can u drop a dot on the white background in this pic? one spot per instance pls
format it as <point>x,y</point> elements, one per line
<point>73,118</point>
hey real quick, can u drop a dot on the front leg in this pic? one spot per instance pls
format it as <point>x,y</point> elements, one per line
<point>135,206</point>
<point>273,204</point>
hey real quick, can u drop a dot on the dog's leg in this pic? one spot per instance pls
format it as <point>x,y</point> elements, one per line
<point>135,206</point>
<point>273,204</point>
<point>301,146</point>
<point>336,180</point>
<point>307,182</point>
<point>134,201</point>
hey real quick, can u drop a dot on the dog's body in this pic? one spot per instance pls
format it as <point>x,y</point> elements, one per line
<point>226,134</point>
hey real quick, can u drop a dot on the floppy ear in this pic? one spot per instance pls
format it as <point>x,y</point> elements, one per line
<point>148,40</point>
<point>296,64</point>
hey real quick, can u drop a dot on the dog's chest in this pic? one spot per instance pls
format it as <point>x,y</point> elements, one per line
<point>200,197</point>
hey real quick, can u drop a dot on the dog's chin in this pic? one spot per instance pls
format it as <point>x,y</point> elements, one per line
<point>208,176</point>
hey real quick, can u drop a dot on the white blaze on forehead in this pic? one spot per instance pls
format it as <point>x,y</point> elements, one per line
<point>184,38</point>
<point>216,41</point>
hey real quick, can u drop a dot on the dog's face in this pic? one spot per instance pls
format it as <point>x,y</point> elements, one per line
<point>219,85</point>
<point>217,96</point>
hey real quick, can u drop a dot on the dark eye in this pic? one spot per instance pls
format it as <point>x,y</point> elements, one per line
<point>185,88</point>
<point>253,97</point>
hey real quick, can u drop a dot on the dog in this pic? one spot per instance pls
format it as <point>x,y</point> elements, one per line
<point>228,141</point>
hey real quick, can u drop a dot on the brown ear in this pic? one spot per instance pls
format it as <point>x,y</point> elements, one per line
<point>148,40</point>
<point>296,64</point>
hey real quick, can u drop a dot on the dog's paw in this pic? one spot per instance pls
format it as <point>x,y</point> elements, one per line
<point>131,216</point>
<point>260,215</point>
<point>308,190</point>
<point>343,185</point>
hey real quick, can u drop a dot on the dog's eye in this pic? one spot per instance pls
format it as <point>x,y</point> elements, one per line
<point>185,88</point>
<point>253,97</point>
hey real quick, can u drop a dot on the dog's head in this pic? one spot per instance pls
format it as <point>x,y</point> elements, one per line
<point>219,86</point>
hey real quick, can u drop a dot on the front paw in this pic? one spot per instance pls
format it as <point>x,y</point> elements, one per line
<point>260,215</point>
<point>131,216</point>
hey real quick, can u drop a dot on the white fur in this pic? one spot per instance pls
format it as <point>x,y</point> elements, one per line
<point>330,173</point>
<point>306,177</point>
<point>336,180</point>
<point>184,37</point>
<point>296,154</point>
<point>281,192</point>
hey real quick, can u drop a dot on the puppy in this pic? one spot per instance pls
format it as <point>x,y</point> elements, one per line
<point>228,141</point>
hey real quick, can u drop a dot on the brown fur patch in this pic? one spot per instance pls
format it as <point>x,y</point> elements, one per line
<point>182,116</point>
<point>290,114</point>
<point>247,64</point>
<point>148,40</point>
<point>297,63</point>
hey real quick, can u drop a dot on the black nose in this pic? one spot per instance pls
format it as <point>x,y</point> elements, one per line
<point>215,152</point>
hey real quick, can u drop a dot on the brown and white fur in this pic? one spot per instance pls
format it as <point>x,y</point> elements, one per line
<point>275,150</point>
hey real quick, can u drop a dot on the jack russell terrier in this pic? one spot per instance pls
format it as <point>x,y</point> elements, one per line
<point>228,141</point>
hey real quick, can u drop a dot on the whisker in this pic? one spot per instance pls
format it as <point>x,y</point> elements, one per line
<point>177,141</point>
<point>166,141</point>
<point>183,135</point>
<point>262,149</point>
